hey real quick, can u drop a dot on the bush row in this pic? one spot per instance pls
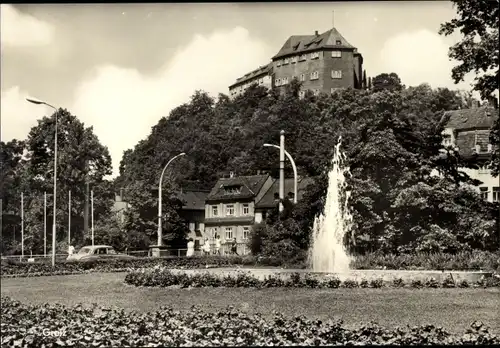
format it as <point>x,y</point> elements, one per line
<point>15,268</point>
<point>440,261</point>
<point>163,277</point>
<point>57,325</point>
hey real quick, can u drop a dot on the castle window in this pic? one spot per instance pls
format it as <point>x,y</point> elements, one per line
<point>336,54</point>
<point>336,74</point>
<point>314,75</point>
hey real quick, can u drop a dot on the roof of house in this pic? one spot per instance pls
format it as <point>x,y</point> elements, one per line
<point>262,70</point>
<point>303,43</point>
<point>267,201</point>
<point>193,200</point>
<point>481,117</point>
<point>249,187</point>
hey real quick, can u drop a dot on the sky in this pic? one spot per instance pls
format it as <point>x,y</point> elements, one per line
<point>122,67</point>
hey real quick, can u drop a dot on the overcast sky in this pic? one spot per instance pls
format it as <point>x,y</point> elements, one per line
<point>120,68</point>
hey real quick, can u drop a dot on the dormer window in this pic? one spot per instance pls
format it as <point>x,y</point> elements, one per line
<point>232,190</point>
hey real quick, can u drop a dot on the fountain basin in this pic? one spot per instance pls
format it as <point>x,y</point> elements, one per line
<point>358,275</point>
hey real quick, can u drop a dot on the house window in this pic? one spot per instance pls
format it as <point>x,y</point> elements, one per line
<point>302,57</point>
<point>286,61</point>
<point>246,209</point>
<point>215,232</point>
<point>336,54</point>
<point>246,232</point>
<point>496,194</point>
<point>285,80</point>
<point>302,77</point>
<point>333,89</point>
<point>277,82</point>
<point>229,233</point>
<point>229,210</point>
<point>336,74</point>
<point>314,75</point>
<point>294,59</point>
<point>215,210</point>
<point>316,92</point>
<point>278,63</point>
<point>302,94</point>
<point>315,55</point>
<point>338,42</point>
<point>483,191</point>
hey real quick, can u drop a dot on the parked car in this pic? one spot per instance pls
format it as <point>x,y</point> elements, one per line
<point>98,252</point>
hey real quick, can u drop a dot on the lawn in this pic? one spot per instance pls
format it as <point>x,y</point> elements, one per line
<point>453,309</point>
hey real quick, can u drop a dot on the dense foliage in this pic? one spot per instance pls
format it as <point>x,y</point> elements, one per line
<point>163,277</point>
<point>477,52</point>
<point>34,325</point>
<point>28,168</point>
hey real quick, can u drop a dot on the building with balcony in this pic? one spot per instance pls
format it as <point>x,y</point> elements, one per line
<point>321,62</point>
<point>230,209</point>
<point>469,130</point>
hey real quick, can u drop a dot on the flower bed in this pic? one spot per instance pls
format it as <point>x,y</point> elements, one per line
<point>57,325</point>
<point>163,277</point>
<point>23,269</point>
<point>461,261</point>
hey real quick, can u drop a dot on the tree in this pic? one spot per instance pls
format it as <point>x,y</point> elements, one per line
<point>81,157</point>
<point>494,162</point>
<point>384,81</point>
<point>11,176</point>
<point>478,50</point>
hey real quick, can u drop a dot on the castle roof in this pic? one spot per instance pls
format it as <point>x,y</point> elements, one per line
<point>262,70</point>
<point>304,43</point>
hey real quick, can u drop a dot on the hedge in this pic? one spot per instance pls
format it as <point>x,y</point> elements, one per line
<point>461,261</point>
<point>53,325</point>
<point>163,277</point>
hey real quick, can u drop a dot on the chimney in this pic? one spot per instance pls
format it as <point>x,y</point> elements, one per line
<point>316,33</point>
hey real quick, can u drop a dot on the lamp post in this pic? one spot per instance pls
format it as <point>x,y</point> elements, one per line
<point>40,102</point>
<point>160,237</point>
<point>294,170</point>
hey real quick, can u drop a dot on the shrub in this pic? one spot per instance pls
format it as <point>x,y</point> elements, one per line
<point>398,283</point>
<point>377,283</point>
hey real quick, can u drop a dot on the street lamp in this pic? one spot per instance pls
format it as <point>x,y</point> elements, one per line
<point>40,102</point>
<point>294,170</point>
<point>160,237</point>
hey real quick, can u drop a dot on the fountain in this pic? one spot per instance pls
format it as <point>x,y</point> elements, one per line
<point>327,252</point>
<point>327,255</point>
